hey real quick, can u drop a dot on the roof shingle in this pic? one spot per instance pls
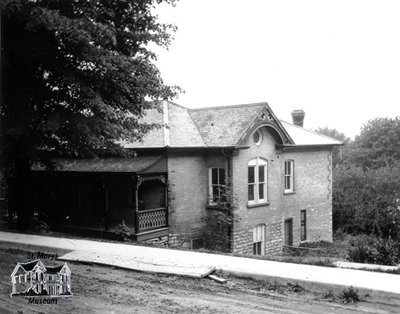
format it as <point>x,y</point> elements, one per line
<point>214,127</point>
<point>223,126</point>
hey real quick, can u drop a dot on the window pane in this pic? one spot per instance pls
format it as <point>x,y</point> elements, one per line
<point>222,176</point>
<point>256,137</point>
<point>215,193</point>
<point>288,167</point>
<point>251,174</point>
<point>214,176</point>
<point>257,248</point>
<point>261,191</point>
<point>303,225</point>
<point>251,192</point>
<point>287,183</point>
<point>261,174</point>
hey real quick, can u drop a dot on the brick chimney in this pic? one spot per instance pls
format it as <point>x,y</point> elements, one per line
<point>298,117</point>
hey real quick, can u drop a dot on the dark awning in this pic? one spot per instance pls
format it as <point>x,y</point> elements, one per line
<point>141,165</point>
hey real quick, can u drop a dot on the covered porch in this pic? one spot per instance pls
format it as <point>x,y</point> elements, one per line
<point>94,196</point>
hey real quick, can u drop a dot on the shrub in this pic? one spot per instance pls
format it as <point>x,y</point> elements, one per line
<point>361,252</point>
<point>39,225</point>
<point>366,200</point>
<point>328,295</point>
<point>219,222</point>
<point>123,231</point>
<point>387,252</point>
<point>349,295</point>
<point>295,287</point>
<point>375,251</point>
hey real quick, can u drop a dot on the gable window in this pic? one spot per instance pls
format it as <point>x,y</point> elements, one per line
<point>289,175</point>
<point>303,225</point>
<point>257,137</point>
<point>258,240</point>
<point>257,181</point>
<point>217,185</point>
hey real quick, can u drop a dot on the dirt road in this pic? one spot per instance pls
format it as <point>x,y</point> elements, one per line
<point>100,289</point>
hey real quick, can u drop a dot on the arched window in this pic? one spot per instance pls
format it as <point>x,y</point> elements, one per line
<point>257,181</point>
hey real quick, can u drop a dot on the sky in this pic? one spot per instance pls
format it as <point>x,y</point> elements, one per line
<point>337,60</point>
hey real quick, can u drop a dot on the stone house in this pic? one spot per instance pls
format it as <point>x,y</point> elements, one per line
<point>279,175</point>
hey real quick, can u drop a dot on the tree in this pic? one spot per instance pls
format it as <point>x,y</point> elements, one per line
<point>367,201</point>
<point>77,78</point>
<point>378,144</point>
<point>366,181</point>
<point>333,133</point>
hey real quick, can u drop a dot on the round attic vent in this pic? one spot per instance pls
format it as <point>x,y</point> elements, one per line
<point>257,137</point>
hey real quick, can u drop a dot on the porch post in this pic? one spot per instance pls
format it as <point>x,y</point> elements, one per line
<point>166,200</point>
<point>138,183</point>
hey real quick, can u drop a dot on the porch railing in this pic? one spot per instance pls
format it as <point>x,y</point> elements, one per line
<point>152,219</point>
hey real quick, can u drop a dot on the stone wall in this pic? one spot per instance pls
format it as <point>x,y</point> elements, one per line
<point>188,178</point>
<point>269,214</point>
<point>312,192</point>
<point>188,192</point>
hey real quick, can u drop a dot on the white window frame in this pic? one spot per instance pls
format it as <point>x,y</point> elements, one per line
<point>288,176</point>
<point>218,184</point>
<point>257,163</point>
<point>259,237</point>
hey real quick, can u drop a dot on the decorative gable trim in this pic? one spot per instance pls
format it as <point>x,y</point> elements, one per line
<point>266,117</point>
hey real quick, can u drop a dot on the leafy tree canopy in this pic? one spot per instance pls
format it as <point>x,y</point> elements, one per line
<point>378,143</point>
<point>333,133</point>
<point>78,75</point>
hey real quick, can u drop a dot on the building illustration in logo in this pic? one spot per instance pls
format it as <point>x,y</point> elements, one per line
<point>35,279</point>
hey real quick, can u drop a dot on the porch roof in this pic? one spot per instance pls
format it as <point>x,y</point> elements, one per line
<point>141,165</point>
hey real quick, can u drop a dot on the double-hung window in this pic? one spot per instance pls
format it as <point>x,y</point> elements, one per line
<point>257,181</point>
<point>258,240</point>
<point>289,175</point>
<point>217,185</point>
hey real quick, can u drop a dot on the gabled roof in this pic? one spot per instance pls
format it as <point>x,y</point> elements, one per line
<point>56,269</point>
<point>220,126</point>
<point>31,265</point>
<point>303,136</point>
<point>27,266</point>
<point>224,126</point>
